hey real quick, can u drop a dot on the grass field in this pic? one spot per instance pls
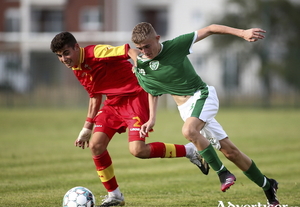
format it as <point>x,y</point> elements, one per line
<point>38,162</point>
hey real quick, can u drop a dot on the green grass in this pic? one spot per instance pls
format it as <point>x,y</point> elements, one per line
<point>38,162</point>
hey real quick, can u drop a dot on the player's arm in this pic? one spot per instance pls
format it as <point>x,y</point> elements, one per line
<point>94,106</point>
<point>86,132</point>
<point>250,35</point>
<point>153,102</point>
<point>133,53</point>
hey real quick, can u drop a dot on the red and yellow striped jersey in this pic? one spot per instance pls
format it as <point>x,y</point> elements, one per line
<point>105,69</point>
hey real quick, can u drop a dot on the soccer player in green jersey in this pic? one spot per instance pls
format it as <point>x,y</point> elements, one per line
<point>164,68</point>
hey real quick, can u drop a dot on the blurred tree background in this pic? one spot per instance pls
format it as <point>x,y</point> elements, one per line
<point>280,52</point>
<point>263,73</point>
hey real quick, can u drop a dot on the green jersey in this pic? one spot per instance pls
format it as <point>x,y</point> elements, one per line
<point>170,72</point>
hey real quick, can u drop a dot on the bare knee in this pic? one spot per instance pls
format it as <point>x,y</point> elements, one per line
<point>189,133</point>
<point>96,148</point>
<point>139,150</point>
<point>98,143</point>
<point>191,129</point>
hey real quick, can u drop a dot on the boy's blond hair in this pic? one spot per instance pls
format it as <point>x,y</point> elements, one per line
<point>141,32</point>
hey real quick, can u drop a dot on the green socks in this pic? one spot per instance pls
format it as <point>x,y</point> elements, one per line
<point>211,157</point>
<point>254,174</point>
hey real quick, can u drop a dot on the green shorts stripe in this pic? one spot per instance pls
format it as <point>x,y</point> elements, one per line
<point>200,102</point>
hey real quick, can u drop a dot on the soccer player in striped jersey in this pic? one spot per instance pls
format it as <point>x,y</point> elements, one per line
<point>104,70</point>
<point>164,68</point>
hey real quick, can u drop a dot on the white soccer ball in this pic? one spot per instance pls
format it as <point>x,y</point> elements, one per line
<point>79,197</point>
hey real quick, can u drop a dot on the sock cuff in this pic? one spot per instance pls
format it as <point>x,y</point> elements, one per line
<point>221,169</point>
<point>265,182</point>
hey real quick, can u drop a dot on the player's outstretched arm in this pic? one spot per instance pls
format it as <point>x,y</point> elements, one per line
<point>250,35</point>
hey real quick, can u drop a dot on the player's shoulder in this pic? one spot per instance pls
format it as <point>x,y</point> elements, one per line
<point>96,51</point>
<point>180,42</point>
<point>181,38</point>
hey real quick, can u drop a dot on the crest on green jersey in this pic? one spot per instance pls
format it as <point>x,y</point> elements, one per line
<point>154,64</point>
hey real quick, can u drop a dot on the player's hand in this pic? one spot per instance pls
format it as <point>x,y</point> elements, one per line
<point>145,128</point>
<point>83,138</point>
<point>252,35</point>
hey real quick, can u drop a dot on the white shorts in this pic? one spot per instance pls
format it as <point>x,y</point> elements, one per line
<point>204,105</point>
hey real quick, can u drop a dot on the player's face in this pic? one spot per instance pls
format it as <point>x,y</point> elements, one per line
<point>69,56</point>
<point>150,47</point>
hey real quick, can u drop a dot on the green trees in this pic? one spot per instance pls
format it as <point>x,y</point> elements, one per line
<point>280,52</point>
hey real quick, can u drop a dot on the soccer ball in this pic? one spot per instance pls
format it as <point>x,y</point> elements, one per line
<point>79,197</point>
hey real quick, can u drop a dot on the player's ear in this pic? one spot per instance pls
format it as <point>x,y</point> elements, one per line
<point>157,37</point>
<point>76,47</point>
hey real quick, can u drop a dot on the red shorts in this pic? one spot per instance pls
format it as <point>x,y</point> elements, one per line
<point>129,112</point>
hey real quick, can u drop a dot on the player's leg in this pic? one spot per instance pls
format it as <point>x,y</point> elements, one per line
<point>232,153</point>
<point>103,133</point>
<point>105,169</point>
<point>140,149</point>
<point>136,112</point>
<point>135,115</point>
<point>198,110</point>
<point>250,169</point>
<point>191,130</point>
<point>242,161</point>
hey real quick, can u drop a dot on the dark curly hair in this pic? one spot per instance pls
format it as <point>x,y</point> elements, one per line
<point>61,40</point>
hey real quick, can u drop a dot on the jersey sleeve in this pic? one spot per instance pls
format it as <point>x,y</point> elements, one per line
<point>183,43</point>
<point>108,52</point>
